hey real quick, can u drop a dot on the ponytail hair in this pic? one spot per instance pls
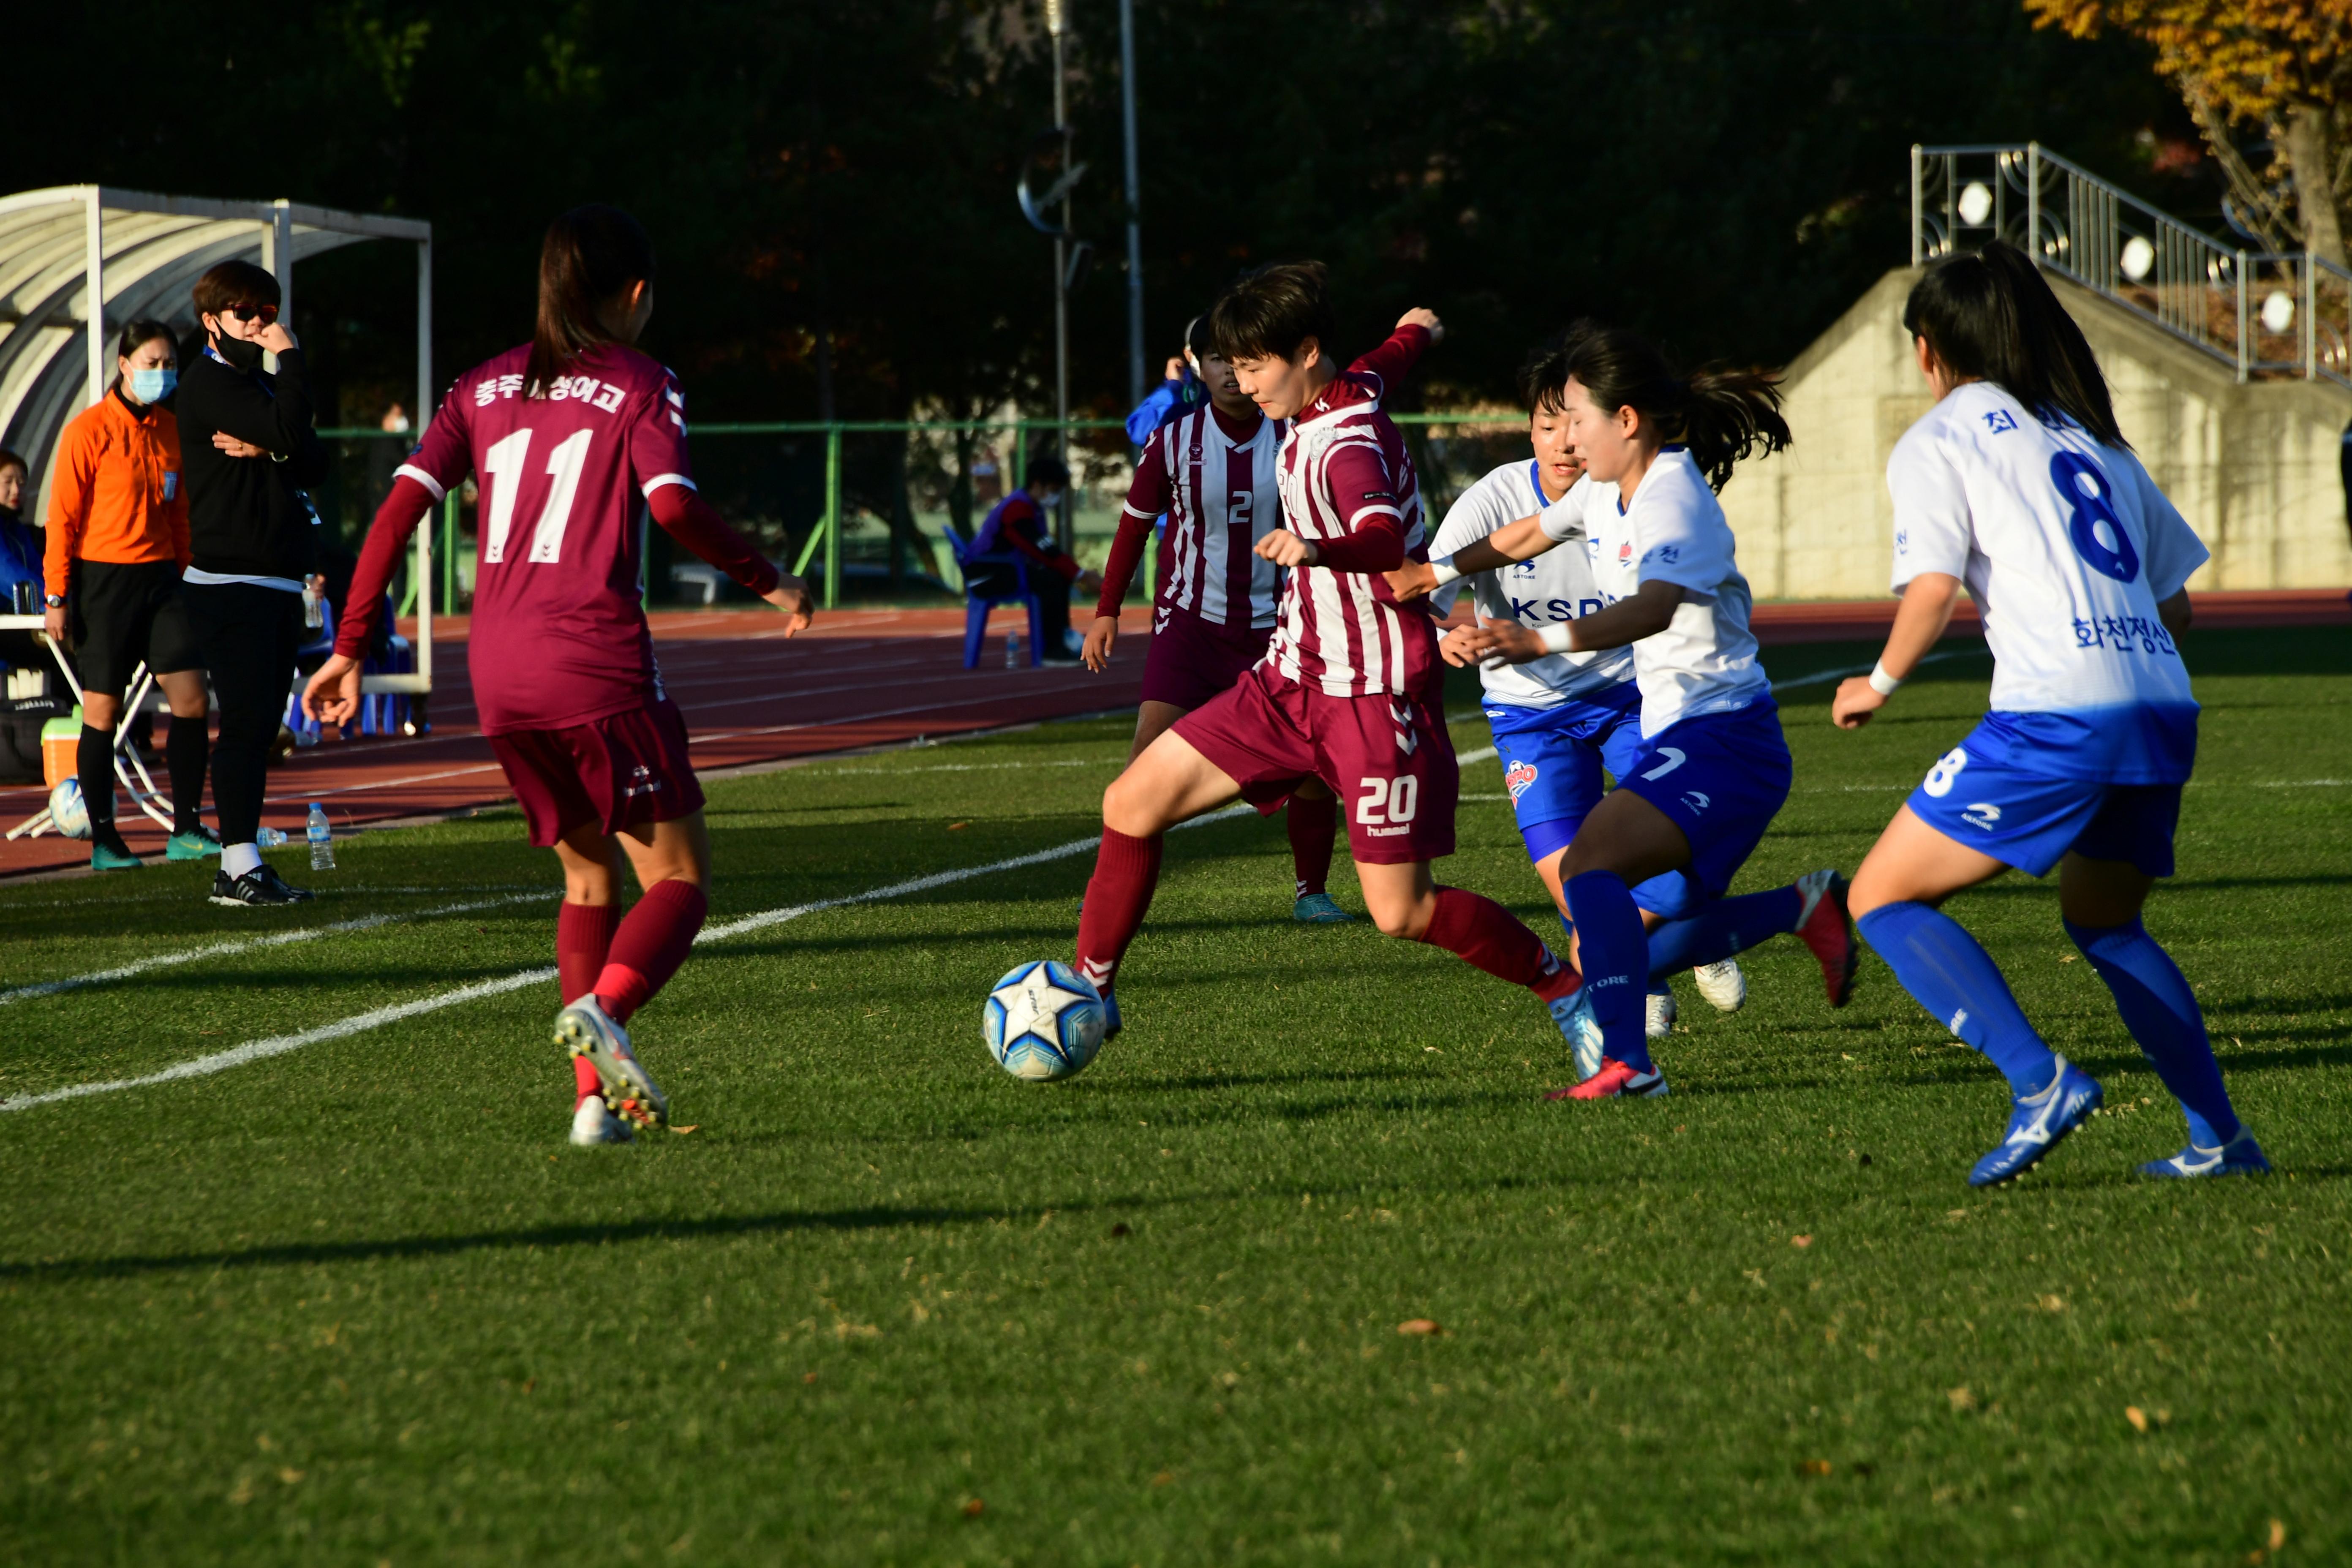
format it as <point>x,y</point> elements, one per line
<point>1990,314</point>
<point>1722,415</point>
<point>589,254</point>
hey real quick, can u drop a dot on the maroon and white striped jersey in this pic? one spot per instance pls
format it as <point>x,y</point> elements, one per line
<point>1222,497</point>
<point>1348,488</point>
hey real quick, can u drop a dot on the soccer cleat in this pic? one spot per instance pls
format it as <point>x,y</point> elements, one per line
<point>585,1029</point>
<point>261,888</point>
<point>200,844</point>
<point>1722,985</point>
<point>1318,909</point>
<point>1825,927</point>
<point>2036,1123</point>
<point>593,1123</point>
<point>1615,1079</point>
<point>1573,1014</point>
<point>1660,1023</point>
<point>104,856</point>
<point>2241,1156</point>
<point>1111,1024</point>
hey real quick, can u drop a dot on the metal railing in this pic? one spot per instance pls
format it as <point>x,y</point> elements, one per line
<point>822,544</point>
<point>2267,314</point>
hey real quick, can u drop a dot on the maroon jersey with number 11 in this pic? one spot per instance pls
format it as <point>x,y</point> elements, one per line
<point>559,634</point>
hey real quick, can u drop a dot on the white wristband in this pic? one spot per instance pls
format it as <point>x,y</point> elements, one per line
<point>1882,682</point>
<point>1442,567</point>
<point>1554,637</point>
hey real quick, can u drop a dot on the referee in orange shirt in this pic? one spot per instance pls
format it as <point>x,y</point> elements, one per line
<point>118,540</point>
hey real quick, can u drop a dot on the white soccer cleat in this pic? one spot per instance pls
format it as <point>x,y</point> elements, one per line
<point>1722,985</point>
<point>585,1029</point>
<point>593,1123</point>
<point>1660,1023</point>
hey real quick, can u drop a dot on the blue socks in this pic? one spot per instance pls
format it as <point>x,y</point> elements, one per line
<point>1616,962</point>
<point>1658,986</point>
<point>1956,980</point>
<point>1729,926</point>
<point>2162,1014</point>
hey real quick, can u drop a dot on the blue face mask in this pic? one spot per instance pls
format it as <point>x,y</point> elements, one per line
<point>153,385</point>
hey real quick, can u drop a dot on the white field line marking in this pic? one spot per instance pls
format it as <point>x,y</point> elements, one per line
<point>254,944</point>
<point>1818,677</point>
<point>360,1023</point>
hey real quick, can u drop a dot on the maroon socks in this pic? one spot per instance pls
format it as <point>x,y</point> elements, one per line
<point>1127,870</point>
<point>652,942</point>
<point>583,935</point>
<point>1483,932</point>
<point>1314,828</point>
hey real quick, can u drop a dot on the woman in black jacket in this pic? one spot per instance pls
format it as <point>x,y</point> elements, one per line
<point>245,436</point>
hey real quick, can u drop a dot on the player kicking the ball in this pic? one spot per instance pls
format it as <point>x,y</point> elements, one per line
<point>1349,691</point>
<point>1214,471</point>
<point>2019,484</point>
<point>1560,719</point>
<point>1713,769</point>
<point>566,433</point>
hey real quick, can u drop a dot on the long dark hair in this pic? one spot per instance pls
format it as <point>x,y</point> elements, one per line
<point>589,254</point>
<point>1990,314</point>
<point>1722,415</point>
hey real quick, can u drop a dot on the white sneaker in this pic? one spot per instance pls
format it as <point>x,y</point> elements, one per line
<point>585,1029</point>
<point>593,1124</point>
<point>1661,1021</point>
<point>1722,985</point>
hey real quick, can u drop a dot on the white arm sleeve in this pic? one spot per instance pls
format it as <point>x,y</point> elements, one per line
<point>2174,550</point>
<point>1680,529</point>
<point>1564,519</point>
<point>1479,511</point>
<point>1934,529</point>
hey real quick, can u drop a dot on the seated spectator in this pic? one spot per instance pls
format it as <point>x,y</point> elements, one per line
<point>20,546</point>
<point>1018,523</point>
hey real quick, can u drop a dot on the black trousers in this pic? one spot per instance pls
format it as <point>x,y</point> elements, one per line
<point>249,635</point>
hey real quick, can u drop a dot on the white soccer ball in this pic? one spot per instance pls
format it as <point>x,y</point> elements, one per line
<point>68,810</point>
<point>1042,1021</point>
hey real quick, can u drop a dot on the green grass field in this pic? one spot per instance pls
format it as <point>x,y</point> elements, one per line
<point>359,1303</point>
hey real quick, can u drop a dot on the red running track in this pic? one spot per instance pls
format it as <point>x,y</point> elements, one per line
<point>859,679</point>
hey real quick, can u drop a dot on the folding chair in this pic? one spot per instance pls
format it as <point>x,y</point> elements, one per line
<point>976,567</point>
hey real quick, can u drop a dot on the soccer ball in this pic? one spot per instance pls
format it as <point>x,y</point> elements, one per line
<point>1042,1021</point>
<point>68,810</point>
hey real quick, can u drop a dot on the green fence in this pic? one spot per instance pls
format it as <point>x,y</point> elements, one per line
<point>790,482</point>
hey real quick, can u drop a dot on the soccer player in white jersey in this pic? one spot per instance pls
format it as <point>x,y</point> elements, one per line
<point>1351,689</point>
<point>1558,721</point>
<point>1213,470</point>
<point>2019,485</point>
<point>1713,769</point>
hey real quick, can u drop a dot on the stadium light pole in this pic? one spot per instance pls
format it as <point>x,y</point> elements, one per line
<point>1134,207</point>
<point>1056,23</point>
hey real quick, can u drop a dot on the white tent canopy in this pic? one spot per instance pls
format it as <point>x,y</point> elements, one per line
<point>140,254</point>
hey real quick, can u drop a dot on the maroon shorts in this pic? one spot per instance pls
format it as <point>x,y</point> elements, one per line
<point>619,772</point>
<point>1387,758</point>
<point>1192,660</point>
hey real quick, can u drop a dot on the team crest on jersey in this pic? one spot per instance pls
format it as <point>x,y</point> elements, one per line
<point>1625,553</point>
<point>1518,778</point>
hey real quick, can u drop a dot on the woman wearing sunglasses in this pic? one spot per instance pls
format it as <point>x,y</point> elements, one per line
<point>250,449</point>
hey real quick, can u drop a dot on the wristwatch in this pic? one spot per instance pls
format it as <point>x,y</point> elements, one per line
<point>55,601</point>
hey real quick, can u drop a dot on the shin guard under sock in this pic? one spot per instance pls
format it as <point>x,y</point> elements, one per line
<point>186,749</point>
<point>94,761</point>
<point>650,945</point>
<point>1314,826</point>
<point>1127,873</point>
<point>583,939</point>
<point>2161,1012</point>
<point>1956,980</point>
<point>1615,956</point>
<point>1480,931</point>
<point>1729,926</point>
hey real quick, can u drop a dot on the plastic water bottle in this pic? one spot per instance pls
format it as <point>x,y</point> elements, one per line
<point>323,839</point>
<point>268,837</point>
<point>1013,650</point>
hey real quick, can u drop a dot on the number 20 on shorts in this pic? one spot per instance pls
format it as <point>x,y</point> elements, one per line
<point>1387,803</point>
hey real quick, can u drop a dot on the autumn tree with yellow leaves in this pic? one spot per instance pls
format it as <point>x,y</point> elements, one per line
<point>2281,67</point>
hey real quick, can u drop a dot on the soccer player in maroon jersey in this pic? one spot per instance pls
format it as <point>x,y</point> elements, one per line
<point>1351,689</point>
<point>1212,469</point>
<point>566,433</point>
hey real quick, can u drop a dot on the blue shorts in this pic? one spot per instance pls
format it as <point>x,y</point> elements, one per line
<point>1975,795</point>
<point>1721,778</point>
<point>1553,761</point>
